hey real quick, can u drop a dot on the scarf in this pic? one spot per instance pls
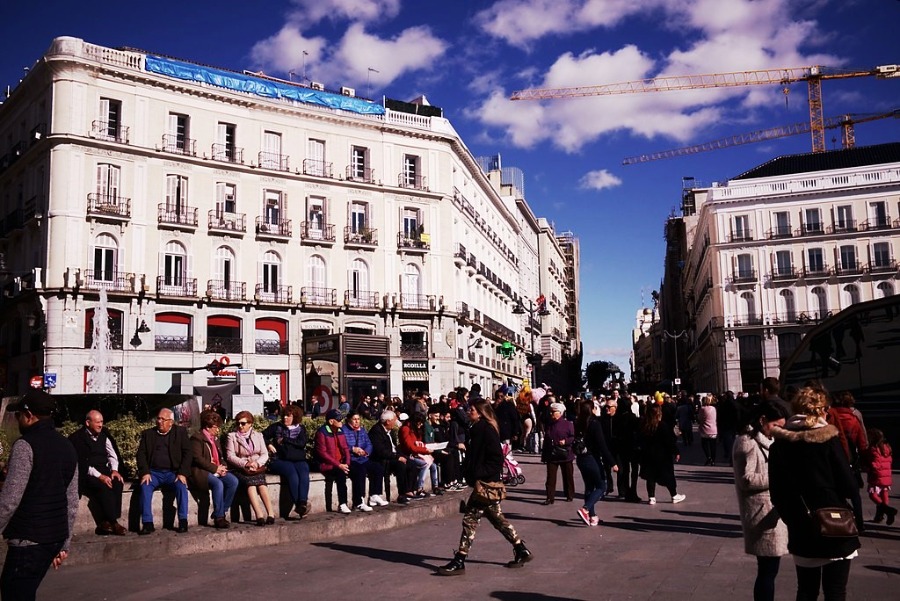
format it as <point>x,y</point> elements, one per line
<point>248,439</point>
<point>213,446</point>
<point>293,431</point>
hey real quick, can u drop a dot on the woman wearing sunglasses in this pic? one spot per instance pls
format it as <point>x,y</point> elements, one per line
<point>248,455</point>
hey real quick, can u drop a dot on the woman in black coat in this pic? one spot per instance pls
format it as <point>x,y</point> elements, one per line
<point>484,461</point>
<point>658,454</point>
<point>595,461</point>
<point>808,470</point>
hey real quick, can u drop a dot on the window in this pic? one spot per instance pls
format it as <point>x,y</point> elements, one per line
<point>411,228</point>
<point>270,157</point>
<point>105,254</point>
<point>813,223</point>
<point>783,265</point>
<point>271,272</point>
<point>409,287</point>
<point>844,218</point>
<point>178,137</point>
<point>782,227</point>
<point>224,267</point>
<point>359,217</point>
<point>176,193</point>
<point>315,158</point>
<point>747,309</point>
<point>788,307</point>
<point>110,119</point>
<point>108,178</point>
<point>885,289</point>
<point>316,276</point>
<point>816,260</point>
<point>744,266</point>
<point>359,279</point>
<point>225,198</point>
<point>741,228</point>
<point>359,163</point>
<point>226,149</point>
<point>848,258</point>
<point>881,254</point>
<point>410,171</point>
<point>849,296</point>
<point>272,207</point>
<point>878,216</point>
<point>174,265</point>
<point>819,303</point>
<point>787,344</point>
<point>315,217</point>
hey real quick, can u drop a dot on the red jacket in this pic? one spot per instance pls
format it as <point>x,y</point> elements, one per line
<point>852,435</point>
<point>331,449</point>
<point>878,466</point>
<point>410,442</point>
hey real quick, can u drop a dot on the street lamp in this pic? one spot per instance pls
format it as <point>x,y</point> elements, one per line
<point>539,309</point>
<point>675,337</point>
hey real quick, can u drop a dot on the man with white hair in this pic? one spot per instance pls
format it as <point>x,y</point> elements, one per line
<point>164,458</point>
<point>386,451</point>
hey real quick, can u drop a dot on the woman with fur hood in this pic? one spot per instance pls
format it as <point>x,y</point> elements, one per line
<point>765,535</point>
<point>808,470</point>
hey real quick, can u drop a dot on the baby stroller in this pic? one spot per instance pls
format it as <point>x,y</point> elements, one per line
<point>512,474</point>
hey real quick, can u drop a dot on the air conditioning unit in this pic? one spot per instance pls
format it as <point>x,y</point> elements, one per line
<point>316,85</point>
<point>347,91</point>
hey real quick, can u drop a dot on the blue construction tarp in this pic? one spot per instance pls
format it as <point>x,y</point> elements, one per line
<point>258,86</point>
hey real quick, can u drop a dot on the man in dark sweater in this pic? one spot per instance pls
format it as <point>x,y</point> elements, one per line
<point>164,459</point>
<point>98,473</point>
<point>39,500</point>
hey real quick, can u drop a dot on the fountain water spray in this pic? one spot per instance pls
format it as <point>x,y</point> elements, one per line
<point>101,377</point>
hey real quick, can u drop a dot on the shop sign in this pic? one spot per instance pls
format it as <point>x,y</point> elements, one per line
<point>414,365</point>
<point>364,364</point>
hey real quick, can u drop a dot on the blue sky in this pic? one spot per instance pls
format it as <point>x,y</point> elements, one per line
<point>467,57</point>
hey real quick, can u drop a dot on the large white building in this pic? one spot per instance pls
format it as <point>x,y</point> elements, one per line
<point>315,238</point>
<point>779,248</point>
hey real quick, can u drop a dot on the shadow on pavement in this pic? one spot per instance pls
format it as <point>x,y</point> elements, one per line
<point>517,517</point>
<point>885,569</point>
<point>527,596</point>
<point>412,559</point>
<point>659,525</point>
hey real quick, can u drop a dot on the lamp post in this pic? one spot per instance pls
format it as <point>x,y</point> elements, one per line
<point>539,309</point>
<point>675,337</point>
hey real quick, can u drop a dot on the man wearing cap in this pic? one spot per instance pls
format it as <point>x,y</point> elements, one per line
<point>164,458</point>
<point>98,473</point>
<point>39,500</point>
<point>334,456</point>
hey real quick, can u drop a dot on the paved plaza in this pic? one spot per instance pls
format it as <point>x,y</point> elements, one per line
<point>689,551</point>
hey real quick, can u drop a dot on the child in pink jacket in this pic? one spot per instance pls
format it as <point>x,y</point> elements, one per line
<point>878,464</point>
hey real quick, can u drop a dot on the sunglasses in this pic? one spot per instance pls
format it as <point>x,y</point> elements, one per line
<point>243,423</point>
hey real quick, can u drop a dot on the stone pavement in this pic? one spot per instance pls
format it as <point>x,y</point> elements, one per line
<point>689,551</point>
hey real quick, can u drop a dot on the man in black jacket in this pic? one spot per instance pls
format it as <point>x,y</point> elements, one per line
<point>98,473</point>
<point>39,500</point>
<point>385,450</point>
<point>164,458</point>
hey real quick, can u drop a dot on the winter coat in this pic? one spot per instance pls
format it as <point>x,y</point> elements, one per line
<point>202,465</point>
<point>878,466</point>
<point>239,454</point>
<point>853,437</point>
<point>288,449</point>
<point>764,533</point>
<point>331,448</point>
<point>561,429</point>
<point>706,422</point>
<point>484,457</point>
<point>808,470</point>
<point>658,452</point>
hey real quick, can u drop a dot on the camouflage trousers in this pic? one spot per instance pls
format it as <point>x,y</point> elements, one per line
<point>494,515</point>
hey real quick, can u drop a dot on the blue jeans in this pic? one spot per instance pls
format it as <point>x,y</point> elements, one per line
<point>24,569</point>
<point>594,481</point>
<point>422,467</point>
<point>296,473</point>
<point>222,490</point>
<point>157,479</point>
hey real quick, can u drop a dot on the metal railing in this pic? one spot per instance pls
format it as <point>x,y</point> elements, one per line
<point>812,229</point>
<point>179,145</point>
<point>106,205</point>
<point>849,269</point>
<point>274,160</point>
<point>227,153</point>
<point>412,242</point>
<point>282,295</point>
<point>226,290</point>
<point>266,226</point>
<point>784,273</point>
<point>271,347</point>
<point>362,299</point>
<point>231,222</point>
<point>418,302</point>
<point>176,286</point>
<point>748,320</point>
<point>367,236</point>
<point>175,215</point>
<point>317,168</point>
<point>848,225</point>
<point>104,130</point>
<point>741,236</point>
<point>360,175</point>
<point>877,224</point>
<point>317,232</point>
<point>116,340</point>
<point>174,344</point>
<point>819,271</point>
<point>743,275</point>
<point>95,279</point>
<point>413,182</point>
<point>322,297</point>
<point>414,350</point>
<point>881,266</point>
<point>223,345</point>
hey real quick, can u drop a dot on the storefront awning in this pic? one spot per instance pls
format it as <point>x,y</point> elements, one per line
<point>415,376</point>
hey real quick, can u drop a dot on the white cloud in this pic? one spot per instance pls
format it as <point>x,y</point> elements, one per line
<point>310,12</point>
<point>599,179</point>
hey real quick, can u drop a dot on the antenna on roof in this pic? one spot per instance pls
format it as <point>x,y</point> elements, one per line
<point>368,80</point>
<point>305,54</point>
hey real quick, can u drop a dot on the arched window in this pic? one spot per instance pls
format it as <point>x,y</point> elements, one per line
<point>359,281</point>
<point>849,296</point>
<point>106,257</point>
<point>270,276</point>
<point>174,266</point>
<point>788,307</point>
<point>885,289</point>
<point>316,280</point>
<point>409,288</point>
<point>819,303</point>
<point>747,309</point>
<point>223,284</point>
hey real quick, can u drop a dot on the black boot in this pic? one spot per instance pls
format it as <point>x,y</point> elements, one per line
<point>879,514</point>
<point>456,566</point>
<point>891,513</point>
<point>523,556</point>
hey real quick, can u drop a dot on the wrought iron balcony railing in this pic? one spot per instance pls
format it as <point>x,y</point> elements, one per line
<point>356,174</point>
<point>177,144</point>
<point>412,242</point>
<point>174,344</point>
<point>323,297</point>
<point>107,130</point>
<point>223,345</point>
<point>176,286</point>
<point>274,160</point>
<point>271,347</point>
<point>227,222</point>
<point>109,206</point>
<point>317,232</point>
<point>281,295</point>
<point>317,168</point>
<point>362,236</point>
<point>226,290</point>
<point>97,278</point>
<point>177,215</point>
<point>412,182</point>
<point>360,299</point>
<point>266,226</point>
<point>227,153</point>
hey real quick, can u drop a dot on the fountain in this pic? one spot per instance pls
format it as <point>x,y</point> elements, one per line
<point>101,377</point>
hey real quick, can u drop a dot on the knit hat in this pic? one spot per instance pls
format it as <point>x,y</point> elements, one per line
<point>558,407</point>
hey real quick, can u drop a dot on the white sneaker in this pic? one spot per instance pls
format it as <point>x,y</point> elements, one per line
<point>678,498</point>
<point>343,508</point>
<point>363,507</point>
<point>652,500</point>
<point>377,500</point>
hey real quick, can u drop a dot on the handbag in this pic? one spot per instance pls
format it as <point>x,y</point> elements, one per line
<point>259,470</point>
<point>580,446</point>
<point>559,453</point>
<point>833,522</point>
<point>488,493</point>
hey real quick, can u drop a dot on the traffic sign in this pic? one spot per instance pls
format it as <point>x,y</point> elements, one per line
<point>49,380</point>
<point>37,382</point>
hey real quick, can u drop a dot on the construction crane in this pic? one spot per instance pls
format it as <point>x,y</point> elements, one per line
<point>845,122</point>
<point>813,76</point>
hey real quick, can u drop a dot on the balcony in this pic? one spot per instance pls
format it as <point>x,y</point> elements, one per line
<point>748,320</point>
<point>741,236</point>
<point>848,269</point>
<point>178,217</point>
<point>361,236</point>
<point>174,344</point>
<point>227,223</point>
<point>356,174</point>
<point>176,286</point>
<point>462,309</point>
<point>812,229</point>
<point>460,257</point>
<point>278,295</point>
<point>784,273</point>
<point>816,272</point>
<point>360,299</point>
<point>271,347</point>
<point>226,290</point>
<point>315,232</point>
<point>744,276</point>
<point>226,153</point>
<point>177,144</point>
<point>882,267</point>
<point>317,168</point>
<point>318,297</point>
<point>107,206</point>
<point>878,223</point>
<point>413,350</point>
<point>842,227</point>
<point>274,160</point>
<point>217,345</point>
<point>267,227</point>
<point>418,302</point>
<point>413,243</point>
<point>118,281</point>
<point>112,132</point>
<point>412,182</point>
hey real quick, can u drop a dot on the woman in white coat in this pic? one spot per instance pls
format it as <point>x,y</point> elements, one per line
<point>248,456</point>
<point>765,535</point>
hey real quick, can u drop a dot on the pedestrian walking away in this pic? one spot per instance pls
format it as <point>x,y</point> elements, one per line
<point>591,455</point>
